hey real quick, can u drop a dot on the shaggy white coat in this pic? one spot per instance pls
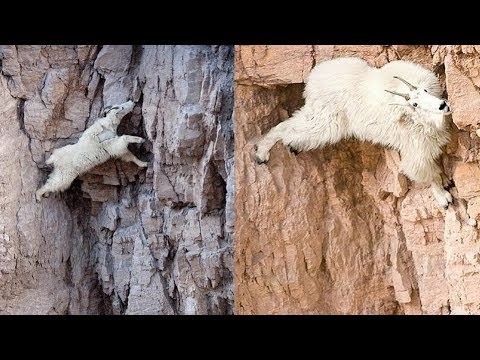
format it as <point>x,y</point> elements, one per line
<point>346,98</point>
<point>97,144</point>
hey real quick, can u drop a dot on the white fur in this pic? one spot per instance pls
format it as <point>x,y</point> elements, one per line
<point>346,98</point>
<point>97,144</point>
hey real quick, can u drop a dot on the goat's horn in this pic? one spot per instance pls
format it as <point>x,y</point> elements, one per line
<point>410,86</point>
<point>405,96</point>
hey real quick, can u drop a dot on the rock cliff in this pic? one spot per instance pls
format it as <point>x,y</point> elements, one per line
<point>339,230</point>
<point>121,240</point>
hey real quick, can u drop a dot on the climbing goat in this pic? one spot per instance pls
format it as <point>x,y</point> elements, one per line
<point>398,106</point>
<point>97,144</point>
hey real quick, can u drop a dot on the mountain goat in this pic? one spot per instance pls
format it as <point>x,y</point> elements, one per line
<point>398,105</point>
<point>97,144</point>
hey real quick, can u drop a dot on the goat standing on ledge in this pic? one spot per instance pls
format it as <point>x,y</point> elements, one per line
<point>97,144</point>
<point>346,98</point>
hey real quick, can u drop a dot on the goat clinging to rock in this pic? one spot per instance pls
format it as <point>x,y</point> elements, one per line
<point>97,144</point>
<point>398,105</point>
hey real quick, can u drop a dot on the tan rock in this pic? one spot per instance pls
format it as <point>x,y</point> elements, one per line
<point>473,208</point>
<point>463,96</point>
<point>467,180</point>
<point>339,230</point>
<point>273,58</point>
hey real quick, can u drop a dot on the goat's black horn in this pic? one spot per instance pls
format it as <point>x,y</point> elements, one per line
<point>410,86</point>
<point>405,96</point>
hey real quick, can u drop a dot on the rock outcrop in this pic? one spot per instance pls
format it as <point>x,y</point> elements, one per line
<point>122,239</point>
<point>339,230</point>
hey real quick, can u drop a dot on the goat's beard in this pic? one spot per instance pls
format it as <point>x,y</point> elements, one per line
<point>431,119</point>
<point>441,121</point>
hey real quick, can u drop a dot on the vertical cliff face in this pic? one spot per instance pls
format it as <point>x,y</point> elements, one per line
<point>339,230</point>
<point>122,239</point>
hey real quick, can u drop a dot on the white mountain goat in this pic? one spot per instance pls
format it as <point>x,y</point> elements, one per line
<point>97,144</point>
<point>398,106</point>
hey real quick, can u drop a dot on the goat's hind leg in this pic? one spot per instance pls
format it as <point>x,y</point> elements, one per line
<point>262,148</point>
<point>57,181</point>
<point>303,131</point>
<point>43,191</point>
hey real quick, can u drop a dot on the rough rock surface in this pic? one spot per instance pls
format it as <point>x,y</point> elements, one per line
<point>339,230</point>
<point>121,240</point>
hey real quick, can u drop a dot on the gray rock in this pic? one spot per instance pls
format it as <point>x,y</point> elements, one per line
<point>121,240</point>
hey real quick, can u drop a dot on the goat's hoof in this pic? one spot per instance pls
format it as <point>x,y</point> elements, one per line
<point>444,199</point>
<point>447,200</point>
<point>293,150</point>
<point>143,164</point>
<point>259,161</point>
<point>447,183</point>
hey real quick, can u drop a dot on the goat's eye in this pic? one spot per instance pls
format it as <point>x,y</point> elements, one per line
<point>425,90</point>
<point>414,104</point>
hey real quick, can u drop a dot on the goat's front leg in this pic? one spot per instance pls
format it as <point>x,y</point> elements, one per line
<point>133,139</point>
<point>118,146</point>
<point>426,171</point>
<point>440,184</point>
<point>443,197</point>
<point>131,157</point>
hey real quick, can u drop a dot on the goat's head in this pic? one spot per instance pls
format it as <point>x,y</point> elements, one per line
<point>119,111</point>
<point>420,100</point>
